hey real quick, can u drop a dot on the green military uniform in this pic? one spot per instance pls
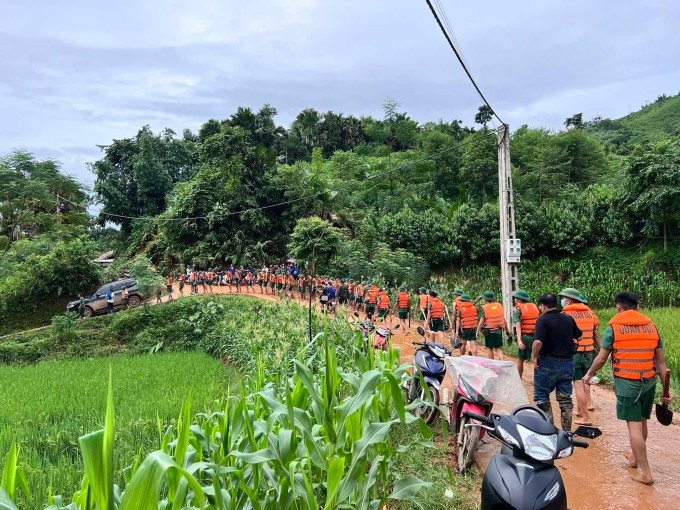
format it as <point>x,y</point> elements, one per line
<point>634,398</point>
<point>492,339</point>
<point>527,340</point>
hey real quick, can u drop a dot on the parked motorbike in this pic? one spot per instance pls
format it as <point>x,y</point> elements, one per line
<point>428,362</point>
<point>382,337</point>
<point>468,396</point>
<point>523,475</point>
<point>382,333</point>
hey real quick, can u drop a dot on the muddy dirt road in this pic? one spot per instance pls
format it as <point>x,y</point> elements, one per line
<point>597,477</point>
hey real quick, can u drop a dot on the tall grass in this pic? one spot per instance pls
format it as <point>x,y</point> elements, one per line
<point>46,407</point>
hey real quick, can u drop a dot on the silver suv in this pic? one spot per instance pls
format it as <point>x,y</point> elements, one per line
<point>96,303</point>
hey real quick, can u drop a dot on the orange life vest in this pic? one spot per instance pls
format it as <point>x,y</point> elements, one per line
<point>494,316</point>
<point>350,288</point>
<point>402,299</point>
<point>436,308</point>
<point>372,295</point>
<point>528,319</point>
<point>635,341</point>
<point>282,279</point>
<point>360,291</point>
<point>586,322</point>
<point>169,280</point>
<point>454,306</point>
<point>384,301</point>
<point>423,299</point>
<point>468,315</point>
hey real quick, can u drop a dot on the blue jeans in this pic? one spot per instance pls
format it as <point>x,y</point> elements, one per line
<point>552,374</point>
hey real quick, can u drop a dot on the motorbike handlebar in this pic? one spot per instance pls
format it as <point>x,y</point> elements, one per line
<point>484,419</point>
<point>580,444</point>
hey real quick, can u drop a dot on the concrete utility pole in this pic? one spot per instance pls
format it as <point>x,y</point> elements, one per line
<point>510,246</point>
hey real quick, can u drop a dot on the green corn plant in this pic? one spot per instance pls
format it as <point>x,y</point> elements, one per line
<point>13,475</point>
<point>97,449</point>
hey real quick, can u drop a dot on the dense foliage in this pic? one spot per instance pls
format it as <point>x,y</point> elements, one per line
<point>425,192</point>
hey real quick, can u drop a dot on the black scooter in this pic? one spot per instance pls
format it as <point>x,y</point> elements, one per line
<point>524,476</point>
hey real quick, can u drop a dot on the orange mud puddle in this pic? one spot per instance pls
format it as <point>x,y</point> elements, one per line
<point>596,477</point>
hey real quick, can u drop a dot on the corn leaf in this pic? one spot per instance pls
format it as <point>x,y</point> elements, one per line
<point>6,502</point>
<point>9,471</point>
<point>407,487</point>
<point>143,491</point>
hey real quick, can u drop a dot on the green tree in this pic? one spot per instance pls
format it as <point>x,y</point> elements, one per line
<point>36,197</point>
<point>652,186</point>
<point>136,174</point>
<point>314,240</point>
<point>586,158</point>
<point>540,165</point>
<point>479,170</point>
<point>484,115</point>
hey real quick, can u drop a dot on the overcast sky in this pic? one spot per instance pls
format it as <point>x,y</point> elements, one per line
<point>74,73</point>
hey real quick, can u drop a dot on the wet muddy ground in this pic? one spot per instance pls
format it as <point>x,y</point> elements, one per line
<point>596,477</point>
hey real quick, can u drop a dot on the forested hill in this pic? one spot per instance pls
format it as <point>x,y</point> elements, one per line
<point>398,196</point>
<point>400,191</point>
<point>654,122</point>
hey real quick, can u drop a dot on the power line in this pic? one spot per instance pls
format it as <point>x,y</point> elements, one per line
<point>447,23</point>
<point>460,59</point>
<point>471,139</point>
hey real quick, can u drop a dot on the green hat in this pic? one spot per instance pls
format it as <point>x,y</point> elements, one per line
<point>458,292</point>
<point>423,289</point>
<point>520,294</point>
<point>583,299</point>
<point>402,288</point>
<point>465,297</point>
<point>489,296</point>
<point>572,293</point>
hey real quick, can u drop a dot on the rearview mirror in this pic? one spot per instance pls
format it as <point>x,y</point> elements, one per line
<point>96,295</point>
<point>356,314</point>
<point>589,432</point>
<point>396,327</point>
<point>420,331</point>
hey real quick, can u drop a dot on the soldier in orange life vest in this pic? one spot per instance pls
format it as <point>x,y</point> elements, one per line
<point>591,406</point>
<point>423,300</point>
<point>587,322</point>
<point>371,298</point>
<point>384,305</point>
<point>524,319</point>
<point>466,324</point>
<point>435,316</point>
<point>492,320</point>
<point>403,304</point>
<point>637,358</point>
<point>168,282</point>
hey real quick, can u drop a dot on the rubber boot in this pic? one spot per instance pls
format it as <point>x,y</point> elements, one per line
<point>546,408</point>
<point>566,409</point>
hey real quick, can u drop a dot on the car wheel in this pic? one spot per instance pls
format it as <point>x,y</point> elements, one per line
<point>134,301</point>
<point>89,312</point>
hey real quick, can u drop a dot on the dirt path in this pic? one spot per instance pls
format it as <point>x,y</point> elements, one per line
<point>597,477</point>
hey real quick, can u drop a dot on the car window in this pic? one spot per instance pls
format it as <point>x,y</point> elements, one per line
<point>119,286</point>
<point>102,290</point>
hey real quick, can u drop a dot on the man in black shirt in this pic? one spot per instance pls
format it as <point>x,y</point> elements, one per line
<point>552,353</point>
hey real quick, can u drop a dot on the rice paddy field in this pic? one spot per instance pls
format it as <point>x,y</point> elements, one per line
<point>47,406</point>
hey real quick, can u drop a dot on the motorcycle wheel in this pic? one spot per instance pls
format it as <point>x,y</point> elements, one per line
<point>468,437</point>
<point>425,411</point>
